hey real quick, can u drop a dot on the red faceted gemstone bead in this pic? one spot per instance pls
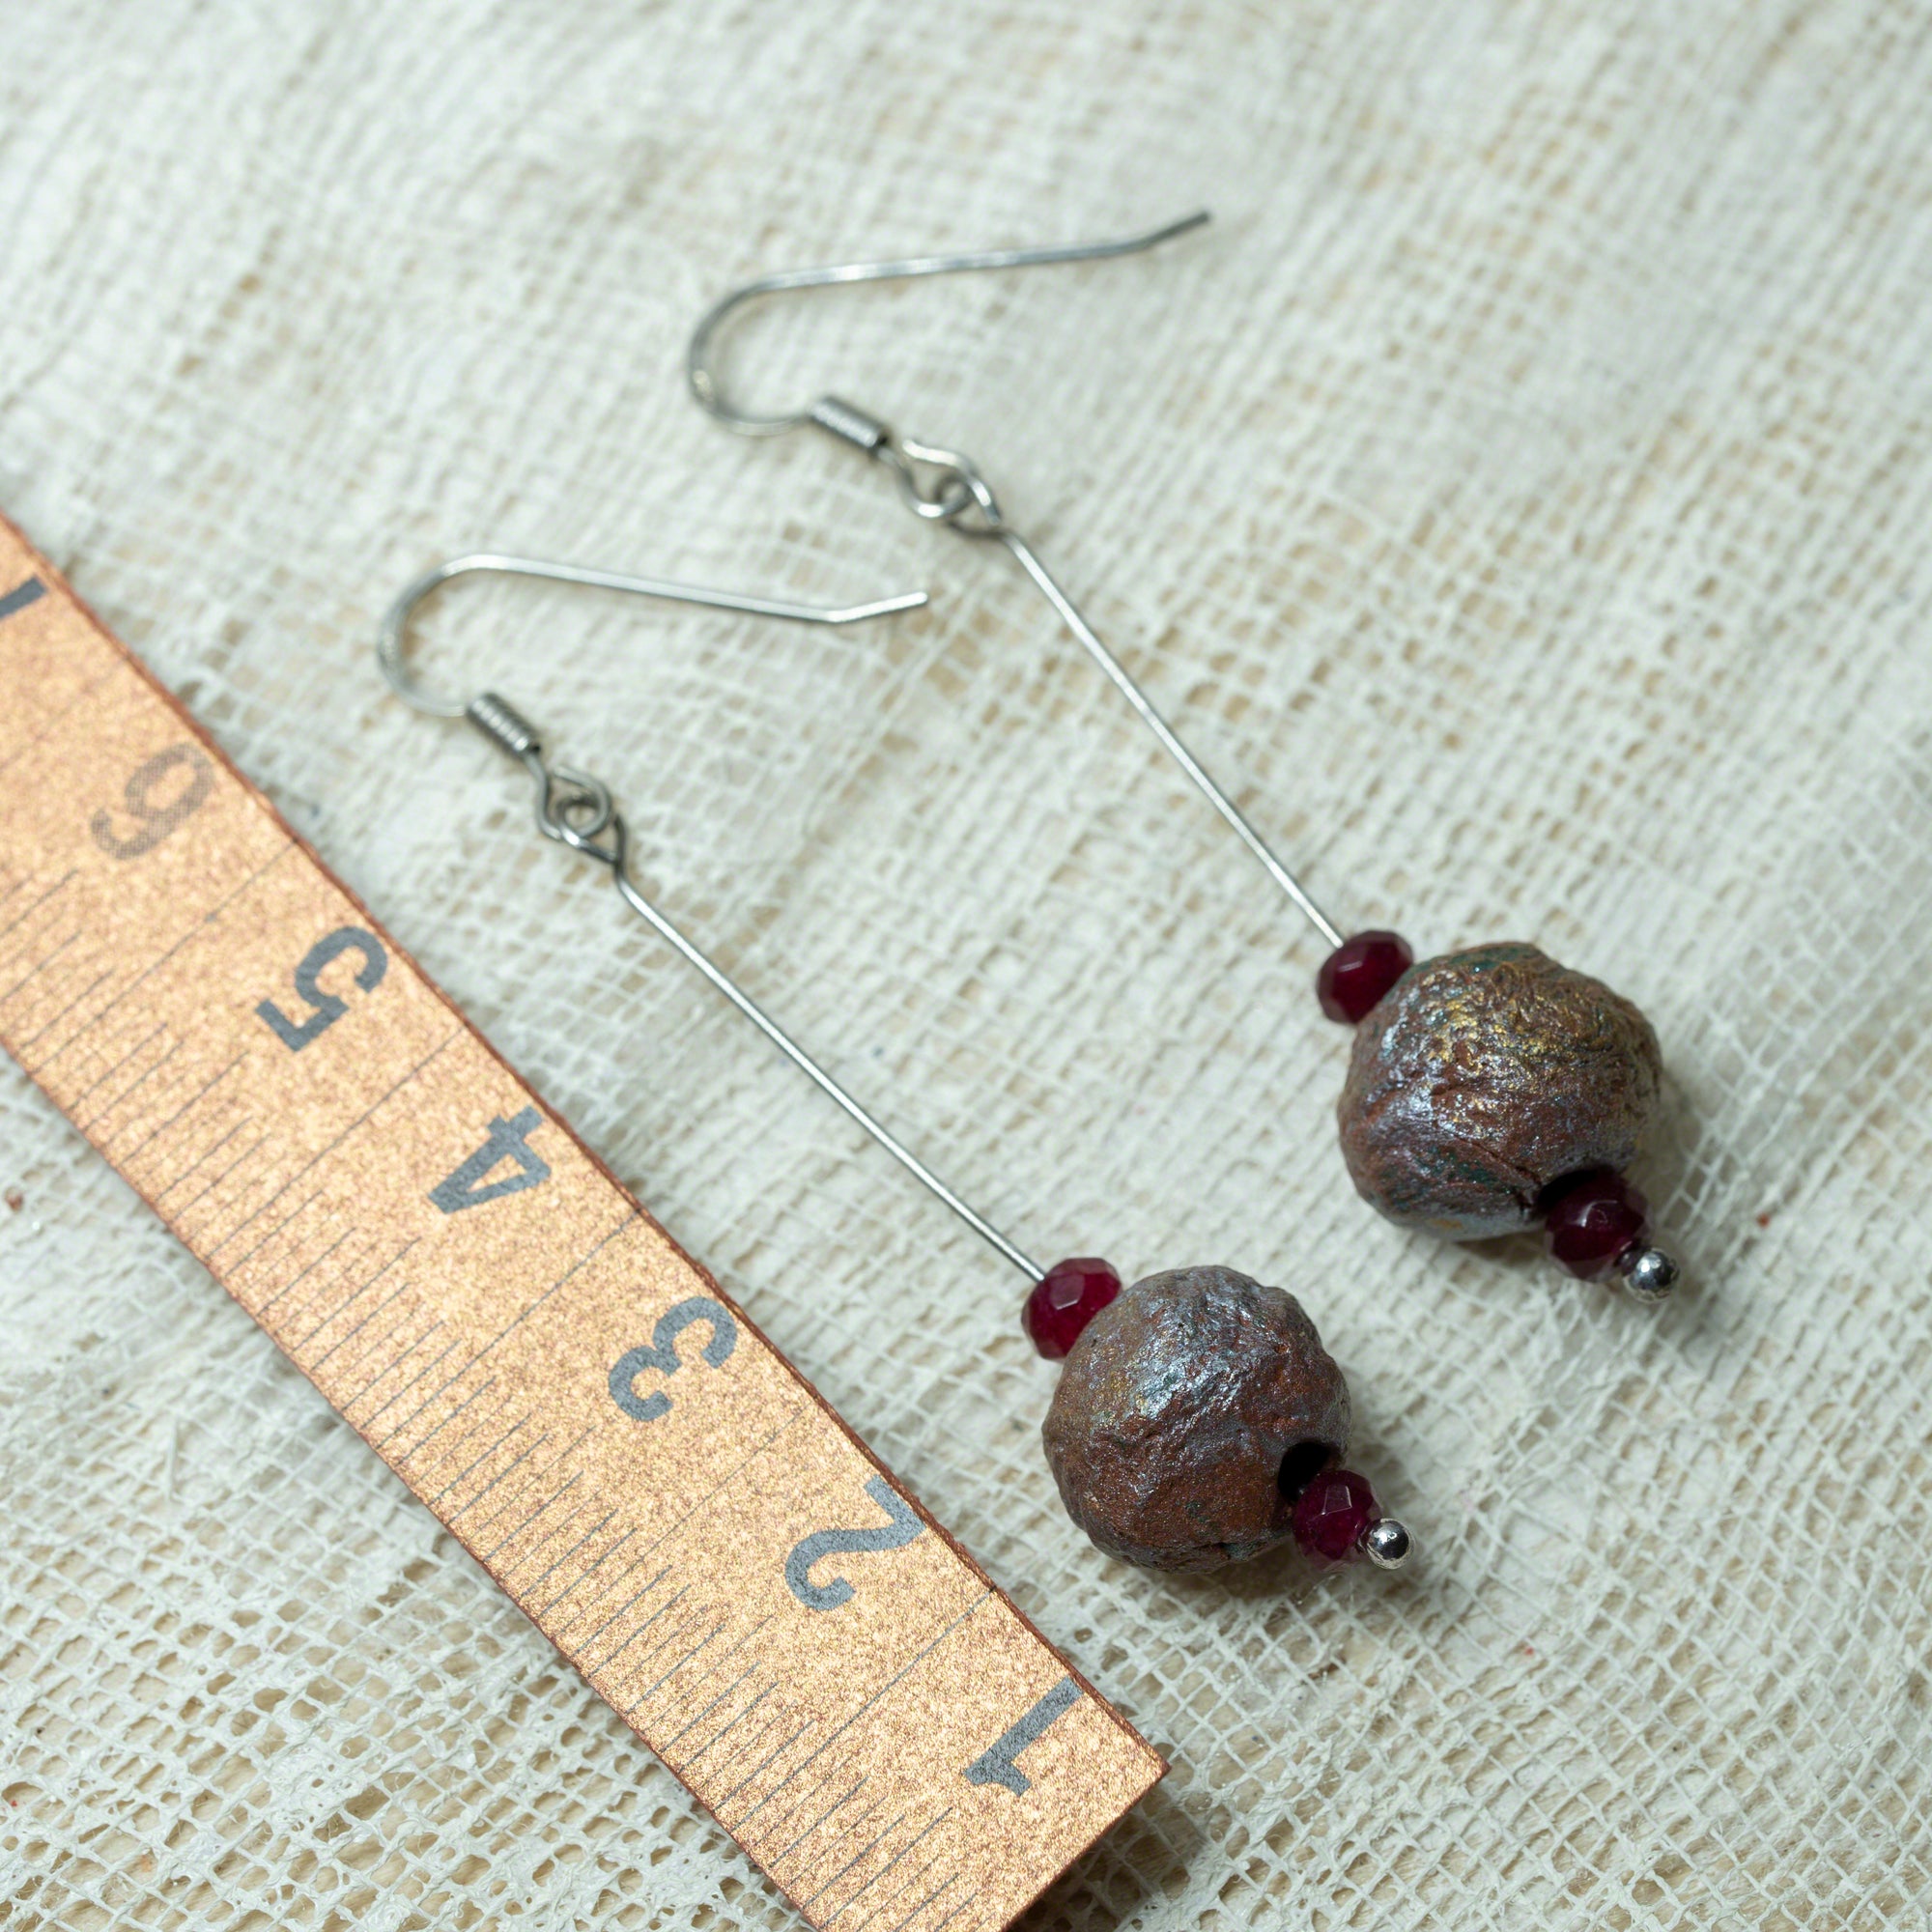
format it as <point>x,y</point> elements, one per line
<point>1063,1300</point>
<point>1355,976</point>
<point>1334,1513</point>
<point>1593,1220</point>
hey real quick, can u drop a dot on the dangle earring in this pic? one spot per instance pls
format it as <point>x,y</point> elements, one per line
<point>1488,1089</point>
<point>1197,1420</point>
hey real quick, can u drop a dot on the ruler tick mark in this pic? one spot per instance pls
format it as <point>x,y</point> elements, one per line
<point>669,1602</point>
<point>858,1857</point>
<point>21,595</point>
<point>401,1288</point>
<point>925,1651</point>
<point>128,1093</point>
<point>289,1286</point>
<point>361,1120</point>
<point>522,1422</point>
<point>33,1040</point>
<point>65,878</point>
<point>409,1455</point>
<point>100,1079</point>
<point>838,1804</point>
<point>534,1587</point>
<point>524,1490</point>
<point>194,1099</point>
<point>897,1859</point>
<point>548,1502</point>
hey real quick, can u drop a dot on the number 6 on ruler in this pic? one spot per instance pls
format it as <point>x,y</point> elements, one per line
<point>659,1353</point>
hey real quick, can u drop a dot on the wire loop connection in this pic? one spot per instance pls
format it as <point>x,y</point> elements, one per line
<point>941,486</point>
<point>577,810</point>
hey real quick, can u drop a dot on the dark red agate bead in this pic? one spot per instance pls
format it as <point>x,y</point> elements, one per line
<point>1592,1220</point>
<point>1063,1300</point>
<point>1334,1513</point>
<point>1355,976</point>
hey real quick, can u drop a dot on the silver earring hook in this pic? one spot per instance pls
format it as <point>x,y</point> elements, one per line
<point>394,631</point>
<point>578,810</point>
<point>704,383</point>
<point>940,485</point>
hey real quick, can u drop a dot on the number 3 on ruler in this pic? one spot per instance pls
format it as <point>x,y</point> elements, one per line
<point>660,1353</point>
<point>157,820</point>
<point>328,1007</point>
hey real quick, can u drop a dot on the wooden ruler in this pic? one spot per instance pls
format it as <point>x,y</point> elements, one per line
<point>663,1495</point>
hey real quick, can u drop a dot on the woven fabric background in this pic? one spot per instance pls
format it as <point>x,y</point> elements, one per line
<point>1521,495</point>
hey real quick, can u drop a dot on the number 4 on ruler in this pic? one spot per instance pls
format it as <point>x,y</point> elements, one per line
<point>470,1186</point>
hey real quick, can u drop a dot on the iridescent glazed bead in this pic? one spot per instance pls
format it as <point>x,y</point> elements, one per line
<point>1483,1076</point>
<point>1192,1414</point>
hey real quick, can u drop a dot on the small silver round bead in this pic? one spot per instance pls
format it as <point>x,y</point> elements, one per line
<point>1385,1543</point>
<point>1649,1274</point>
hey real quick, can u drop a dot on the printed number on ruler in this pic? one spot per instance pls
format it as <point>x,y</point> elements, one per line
<point>661,1492</point>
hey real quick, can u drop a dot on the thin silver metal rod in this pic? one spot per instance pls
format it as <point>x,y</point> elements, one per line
<point>394,630</point>
<point>1084,632</point>
<point>703,377</point>
<point>824,1081</point>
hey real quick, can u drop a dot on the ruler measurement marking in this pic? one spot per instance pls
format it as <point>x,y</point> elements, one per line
<point>534,1483</point>
<point>101,1078</point>
<point>196,931</point>
<point>731,1725</point>
<point>897,1859</point>
<point>234,1167</point>
<point>361,1120</point>
<point>940,1925</point>
<point>287,1220</point>
<point>65,878</point>
<point>301,1275</point>
<point>94,985</point>
<point>669,1602</point>
<point>536,1477</point>
<point>429,1370</point>
<point>39,966</point>
<point>194,1099</point>
<point>972,1610</point>
<point>522,1422</point>
<point>717,1666</point>
<point>400,1289</point>
<point>207,1154</point>
<point>171,1059</point>
<point>583,1577</point>
<point>544,1542</point>
<point>750,1671</point>
<point>128,1091</point>
<point>630,1603</point>
<point>389,1361</point>
<point>900,1889</point>
<point>537,1582</point>
<point>29,591</point>
<point>837,1803</point>
<point>650,1690</point>
<point>348,1303</point>
<point>858,1857</point>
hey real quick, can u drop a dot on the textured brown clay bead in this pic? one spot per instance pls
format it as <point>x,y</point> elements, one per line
<point>1482,1077</point>
<point>1177,1411</point>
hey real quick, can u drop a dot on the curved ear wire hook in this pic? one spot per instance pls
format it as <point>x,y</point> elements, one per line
<point>578,810</point>
<point>394,628</point>
<point>940,485</point>
<point>704,382</point>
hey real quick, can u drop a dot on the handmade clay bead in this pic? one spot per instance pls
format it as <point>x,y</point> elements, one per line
<point>1190,1417</point>
<point>1483,1076</point>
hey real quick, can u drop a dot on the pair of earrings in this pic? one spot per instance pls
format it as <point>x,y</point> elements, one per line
<point>1198,1419</point>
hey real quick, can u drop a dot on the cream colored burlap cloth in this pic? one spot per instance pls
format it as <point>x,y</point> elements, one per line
<point>1523,493</point>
